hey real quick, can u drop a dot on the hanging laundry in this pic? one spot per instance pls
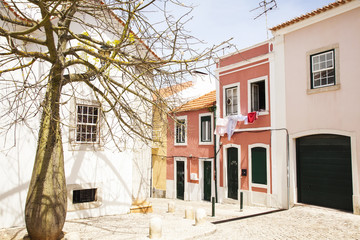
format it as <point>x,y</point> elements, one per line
<point>252,116</point>
<point>221,126</point>
<point>232,124</point>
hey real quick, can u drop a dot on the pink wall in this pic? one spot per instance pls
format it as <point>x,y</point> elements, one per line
<point>244,140</point>
<point>333,109</point>
<point>192,148</point>
<point>336,111</point>
<point>242,74</point>
<point>247,54</point>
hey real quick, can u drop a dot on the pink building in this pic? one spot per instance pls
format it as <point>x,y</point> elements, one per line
<point>317,61</point>
<point>245,150</point>
<point>190,150</point>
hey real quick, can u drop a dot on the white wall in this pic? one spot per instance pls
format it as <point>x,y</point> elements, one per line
<point>121,173</point>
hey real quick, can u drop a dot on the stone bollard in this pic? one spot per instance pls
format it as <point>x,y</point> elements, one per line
<point>200,215</point>
<point>189,213</point>
<point>155,228</point>
<point>171,207</point>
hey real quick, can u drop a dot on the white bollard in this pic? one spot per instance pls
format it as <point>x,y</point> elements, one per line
<point>189,213</point>
<point>171,207</point>
<point>200,216</point>
<point>155,228</point>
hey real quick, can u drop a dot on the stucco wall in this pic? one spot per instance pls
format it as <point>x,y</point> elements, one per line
<point>193,148</point>
<point>334,111</point>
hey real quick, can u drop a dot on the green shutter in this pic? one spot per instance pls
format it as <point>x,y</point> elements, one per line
<point>258,165</point>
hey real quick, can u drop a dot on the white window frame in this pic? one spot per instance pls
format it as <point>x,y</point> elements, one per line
<point>201,176</point>
<point>211,133</point>
<point>225,170</point>
<point>85,146</point>
<point>254,80</point>
<point>237,85</point>
<point>313,71</point>
<point>264,186</point>
<point>337,84</point>
<point>175,123</point>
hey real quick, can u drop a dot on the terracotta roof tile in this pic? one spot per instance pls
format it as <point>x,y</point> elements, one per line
<point>202,102</point>
<point>311,14</point>
<point>169,91</point>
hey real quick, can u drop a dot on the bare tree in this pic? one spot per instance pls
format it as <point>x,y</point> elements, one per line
<point>113,48</point>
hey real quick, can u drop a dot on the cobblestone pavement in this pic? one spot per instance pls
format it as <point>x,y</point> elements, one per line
<point>300,222</point>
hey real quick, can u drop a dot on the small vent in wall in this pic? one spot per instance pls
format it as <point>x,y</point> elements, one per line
<point>84,195</point>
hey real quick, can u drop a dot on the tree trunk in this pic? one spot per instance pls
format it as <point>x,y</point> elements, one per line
<point>45,209</point>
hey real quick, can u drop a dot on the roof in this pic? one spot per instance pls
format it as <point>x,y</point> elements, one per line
<point>311,14</point>
<point>169,91</point>
<point>205,101</point>
<point>21,19</point>
<point>28,23</point>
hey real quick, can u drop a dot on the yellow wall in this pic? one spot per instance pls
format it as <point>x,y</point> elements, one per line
<point>159,150</point>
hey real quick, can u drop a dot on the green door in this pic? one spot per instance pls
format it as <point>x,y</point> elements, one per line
<point>207,180</point>
<point>232,172</point>
<point>180,180</point>
<point>324,175</point>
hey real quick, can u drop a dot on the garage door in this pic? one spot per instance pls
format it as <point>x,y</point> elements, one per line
<point>324,171</point>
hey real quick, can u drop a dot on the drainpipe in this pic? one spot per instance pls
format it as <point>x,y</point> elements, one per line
<point>215,155</point>
<point>288,167</point>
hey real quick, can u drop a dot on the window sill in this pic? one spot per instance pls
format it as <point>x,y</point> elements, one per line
<point>180,144</point>
<point>323,89</point>
<point>258,185</point>
<point>85,147</point>
<point>206,143</point>
<point>264,113</point>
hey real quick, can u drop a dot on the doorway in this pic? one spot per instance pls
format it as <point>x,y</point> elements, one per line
<point>232,172</point>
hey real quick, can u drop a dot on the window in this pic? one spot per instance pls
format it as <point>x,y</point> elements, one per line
<point>258,96</point>
<point>205,134</point>
<point>231,101</point>
<point>180,131</point>
<point>323,69</point>
<point>87,127</point>
<point>84,195</point>
<point>258,165</point>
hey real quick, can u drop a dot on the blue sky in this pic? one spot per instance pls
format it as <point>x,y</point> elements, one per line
<point>217,20</point>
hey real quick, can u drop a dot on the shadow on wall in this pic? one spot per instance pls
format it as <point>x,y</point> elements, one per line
<point>81,167</point>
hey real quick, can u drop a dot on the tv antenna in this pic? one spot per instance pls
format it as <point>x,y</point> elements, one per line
<point>265,5</point>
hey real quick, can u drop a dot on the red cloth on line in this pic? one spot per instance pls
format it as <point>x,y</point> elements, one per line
<point>252,116</point>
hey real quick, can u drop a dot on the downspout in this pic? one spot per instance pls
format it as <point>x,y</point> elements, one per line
<point>288,167</point>
<point>215,156</point>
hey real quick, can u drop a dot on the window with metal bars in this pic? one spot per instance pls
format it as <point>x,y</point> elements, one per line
<point>87,125</point>
<point>84,195</point>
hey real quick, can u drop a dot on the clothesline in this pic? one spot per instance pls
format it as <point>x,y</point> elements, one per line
<point>228,124</point>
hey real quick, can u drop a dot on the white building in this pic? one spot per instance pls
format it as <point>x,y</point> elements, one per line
<point>106,170</point>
